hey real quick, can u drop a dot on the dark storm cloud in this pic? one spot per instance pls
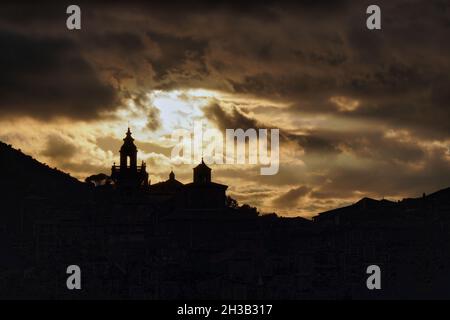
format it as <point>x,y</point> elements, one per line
<point>58,148</point>
<point>374,145</point>
<point>314,142</point>
<point>370,144</point>
<point>387,179</point>
<point>377,146</point>
<point>234,118</point>
<point>404,96</point>
<point>152,113</point>
<point>124,42</point>
<point>229,120</point>
<point>302,53</point>
<point>174,51</point>
<point>47,76</point>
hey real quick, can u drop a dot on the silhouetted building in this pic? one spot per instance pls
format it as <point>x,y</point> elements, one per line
<point>200,194</point>
<point>203,193</point>
<point>129,175</point>
<point>171,186</point>
<point>170,191</point>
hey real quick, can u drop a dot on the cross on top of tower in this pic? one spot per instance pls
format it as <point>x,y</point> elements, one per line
<point>128,137</point>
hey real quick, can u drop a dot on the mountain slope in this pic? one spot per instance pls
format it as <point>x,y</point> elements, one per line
<point>23,176</point>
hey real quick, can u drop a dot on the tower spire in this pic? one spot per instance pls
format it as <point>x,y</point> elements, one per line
<point>130,174</point>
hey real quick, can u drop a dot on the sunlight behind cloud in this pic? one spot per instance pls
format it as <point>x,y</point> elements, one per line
<point>345,104</point>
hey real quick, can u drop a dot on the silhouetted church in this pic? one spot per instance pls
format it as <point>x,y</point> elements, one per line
<point>202,193</point>
<point>129,175</point>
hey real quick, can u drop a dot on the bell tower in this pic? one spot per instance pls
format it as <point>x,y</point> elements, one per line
<point>129,175</point>
<point>128,152</point>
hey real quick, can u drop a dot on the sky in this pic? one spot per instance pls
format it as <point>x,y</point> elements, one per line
<point>361,113</point>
